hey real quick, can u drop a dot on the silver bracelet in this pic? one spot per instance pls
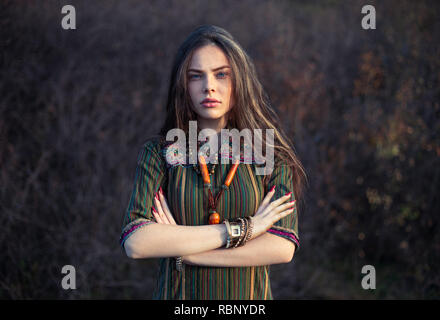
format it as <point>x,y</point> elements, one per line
<point>179,264</point>
<point>242,231</point>
<point>228,231</point>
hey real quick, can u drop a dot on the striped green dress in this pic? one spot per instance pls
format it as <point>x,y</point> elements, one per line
<point>188,202</point>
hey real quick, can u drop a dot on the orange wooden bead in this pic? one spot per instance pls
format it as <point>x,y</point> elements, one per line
<point>214,218</point>
<point>231,174</point>
<point>204,170</point>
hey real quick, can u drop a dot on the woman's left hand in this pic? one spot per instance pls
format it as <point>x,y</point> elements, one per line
<point>161,211</point>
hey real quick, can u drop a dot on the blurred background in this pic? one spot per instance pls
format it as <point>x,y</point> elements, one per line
<point>362,107</point>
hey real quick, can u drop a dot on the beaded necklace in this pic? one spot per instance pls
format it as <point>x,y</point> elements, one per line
<point>214,217</point>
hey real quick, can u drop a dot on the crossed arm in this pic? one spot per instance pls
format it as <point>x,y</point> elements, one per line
<point>202,245</point>
<point>265,250</point>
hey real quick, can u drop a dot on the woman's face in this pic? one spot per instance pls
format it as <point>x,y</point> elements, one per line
<point>209,79</point>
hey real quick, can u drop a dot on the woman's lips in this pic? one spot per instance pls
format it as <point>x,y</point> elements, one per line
<point>210,104</point>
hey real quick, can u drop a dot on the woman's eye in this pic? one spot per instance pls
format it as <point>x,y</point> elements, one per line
<point>222,74</point>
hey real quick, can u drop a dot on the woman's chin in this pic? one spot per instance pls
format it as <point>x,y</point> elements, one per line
<point>211,114</point>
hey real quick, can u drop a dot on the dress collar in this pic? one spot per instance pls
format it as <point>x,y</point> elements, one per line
<point>174,156</point>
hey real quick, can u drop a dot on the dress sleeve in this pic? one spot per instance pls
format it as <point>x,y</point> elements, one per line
<point>149,177</point>
<point>286,227</point>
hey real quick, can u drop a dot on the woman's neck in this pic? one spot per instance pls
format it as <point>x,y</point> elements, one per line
<point>213,124</point>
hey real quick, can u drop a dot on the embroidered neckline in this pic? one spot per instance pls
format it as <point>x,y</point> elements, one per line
<point>225,152</point>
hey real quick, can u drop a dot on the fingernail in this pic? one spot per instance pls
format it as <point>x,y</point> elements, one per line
<point>288,194</point>
<point>292,201</point>
<point>160,190</point>
<point>154,210</point>
<point>271,189</point>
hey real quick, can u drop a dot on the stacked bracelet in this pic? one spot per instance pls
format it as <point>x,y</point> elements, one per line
<point>239,231</point>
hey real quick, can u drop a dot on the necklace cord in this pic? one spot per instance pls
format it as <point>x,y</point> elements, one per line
<point>212,202</point>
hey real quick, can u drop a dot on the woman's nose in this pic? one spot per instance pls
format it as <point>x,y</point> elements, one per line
<point>209,84</point>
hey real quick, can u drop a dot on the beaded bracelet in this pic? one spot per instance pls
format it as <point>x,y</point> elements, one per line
<point>246,230</point>
<point>250,229</point>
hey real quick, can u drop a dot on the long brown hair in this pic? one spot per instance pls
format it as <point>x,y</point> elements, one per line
<point>252,109</point>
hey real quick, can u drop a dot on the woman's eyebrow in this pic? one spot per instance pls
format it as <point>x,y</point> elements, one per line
<point>197,70</point>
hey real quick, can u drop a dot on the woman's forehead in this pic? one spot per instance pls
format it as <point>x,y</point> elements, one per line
<point>208,58</point>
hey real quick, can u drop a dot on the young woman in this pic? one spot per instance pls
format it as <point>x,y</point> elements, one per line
<point>217,227</point>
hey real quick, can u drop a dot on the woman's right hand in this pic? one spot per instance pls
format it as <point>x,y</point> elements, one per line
<point>270,212</point>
